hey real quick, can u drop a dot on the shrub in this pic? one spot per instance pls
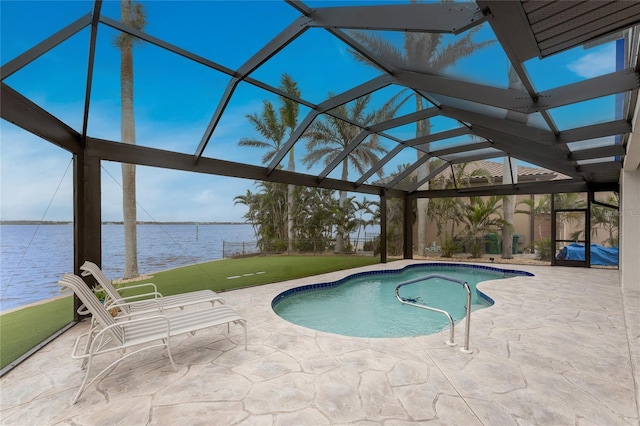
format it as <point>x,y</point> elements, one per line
<point>449,247</point>
<point>543,247</point>
<point>372,245</point>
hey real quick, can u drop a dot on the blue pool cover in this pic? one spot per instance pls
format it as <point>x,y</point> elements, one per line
<point>600,255</point>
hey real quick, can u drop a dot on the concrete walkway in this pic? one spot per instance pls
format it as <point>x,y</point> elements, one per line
<point>560,348</point>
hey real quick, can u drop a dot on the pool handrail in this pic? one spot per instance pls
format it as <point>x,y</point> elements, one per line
<point>464,284</point>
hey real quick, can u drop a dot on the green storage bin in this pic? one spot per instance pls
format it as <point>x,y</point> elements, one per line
<point>493,247</point>
<point>516,237</point>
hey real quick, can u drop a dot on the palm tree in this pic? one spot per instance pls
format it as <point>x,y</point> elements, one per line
<point>481,215</point>
<point>329,137</point>
<point>569,200</point>
<point>274,127</point>
<point>542,207</point>
<point>267,213</point>
<point>510,174</point>
<point>315,218</point>
<point>362,208</point>
<point>537,210</point>
<point>421,52</point>
<point>607,219</point>
<point>445,211</point>
<point>289,115</point>
<point>133,15</point>
<point>270,128</point>
<point>250,200</point>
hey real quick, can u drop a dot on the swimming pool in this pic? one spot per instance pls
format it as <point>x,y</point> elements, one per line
<point>364,304</point>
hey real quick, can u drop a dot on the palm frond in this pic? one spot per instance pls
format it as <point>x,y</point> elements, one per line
<point>268,124</point>
<point>254,143</point>
<point>318,154</point>
<point>419,49</point>
<point>266,158</point>
<point>289,109</point>
<point>462,48</point>
<point>378,46</point>
<point>133,15</point>
<point>390,108</point>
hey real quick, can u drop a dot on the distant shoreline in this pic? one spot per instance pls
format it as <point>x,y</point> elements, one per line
<point>61,222</point>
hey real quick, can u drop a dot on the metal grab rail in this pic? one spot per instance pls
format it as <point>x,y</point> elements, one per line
<point>464,284</point>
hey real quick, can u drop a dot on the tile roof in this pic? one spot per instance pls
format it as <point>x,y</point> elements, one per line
<point>495,169</point>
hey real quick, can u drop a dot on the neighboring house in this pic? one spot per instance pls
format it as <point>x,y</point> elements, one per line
<point>526,227</point>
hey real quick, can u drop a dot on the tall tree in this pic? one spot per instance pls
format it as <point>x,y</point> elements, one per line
<point>481,215</point>
<point>133,15</point>
<point>289,114</point>
<point>274,127</point>
<point>314,218</point>
<point>538,207</point>
<point>362,208</point>
<point>327,139</point>
<point>271,129</point>
<point>447,211</point>
<point>607,219</point>
<point>568,200</point>
<point>422,52</point>
<point>510,174</point>
<point>267,213</point>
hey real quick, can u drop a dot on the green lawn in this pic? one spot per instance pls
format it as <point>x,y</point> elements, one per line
<point>230,274</point>
<point>23,329</point>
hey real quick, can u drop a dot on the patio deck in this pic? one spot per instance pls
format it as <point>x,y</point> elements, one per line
<point>560,348</point>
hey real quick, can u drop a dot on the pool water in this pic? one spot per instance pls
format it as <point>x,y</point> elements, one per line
<point>364,305</point>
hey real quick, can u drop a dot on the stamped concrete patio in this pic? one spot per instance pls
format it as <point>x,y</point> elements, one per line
<point>560,348</point>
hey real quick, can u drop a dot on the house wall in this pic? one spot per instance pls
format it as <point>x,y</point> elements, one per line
<point>528,228</point>
<point>542,226</point>
<point>522,225</point>
<point>630,230</point>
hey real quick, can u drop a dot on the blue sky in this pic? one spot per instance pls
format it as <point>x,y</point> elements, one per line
<point>175,98</point>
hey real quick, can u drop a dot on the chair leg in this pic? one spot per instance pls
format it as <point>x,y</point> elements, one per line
<point>166,344</point>
<point>90,336</point>
<point>88,363</point>
<point>85,384</point>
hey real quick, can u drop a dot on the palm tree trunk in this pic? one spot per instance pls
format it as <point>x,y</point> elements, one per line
<point>341,202</point>
<point>130,220</point>
<point>509,202</point>
<point>128,136</point>
<point>423,128</point>
<point>510,175</point>
<point>290,201</point>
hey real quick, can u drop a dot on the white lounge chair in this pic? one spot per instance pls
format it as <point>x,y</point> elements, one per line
<point>152,301</point>
<point>107,334</point>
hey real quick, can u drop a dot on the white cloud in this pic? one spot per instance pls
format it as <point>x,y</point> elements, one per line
<point>33,188</point>
<point>31,169</point>
<point>598,61</point>
<point>170,195</point>
<point>36,178</point>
